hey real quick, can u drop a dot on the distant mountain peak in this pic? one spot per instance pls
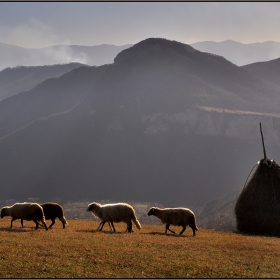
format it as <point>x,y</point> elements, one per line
<point>155,46</point>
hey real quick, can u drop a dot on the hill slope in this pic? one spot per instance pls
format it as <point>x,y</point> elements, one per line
<point>268,71</point>
<point>18,79</point>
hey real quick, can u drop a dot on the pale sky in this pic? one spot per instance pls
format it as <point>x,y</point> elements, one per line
<point>42,24</point>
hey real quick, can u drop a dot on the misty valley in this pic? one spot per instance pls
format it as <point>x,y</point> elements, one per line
<point>162,124</point>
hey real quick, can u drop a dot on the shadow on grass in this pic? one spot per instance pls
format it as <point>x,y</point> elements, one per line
<point>17,229</point>
<point>167,234</point>
<point>254,234</point>
<point>96,231</point>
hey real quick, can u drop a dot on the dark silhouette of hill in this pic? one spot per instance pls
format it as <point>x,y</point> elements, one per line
<point>241,54</point>
<point>52,96</point>
<point>115,132</point>
<point>198,78</point>
<point>18,79</point>
<point>268,71</point>
<point>12,56</point>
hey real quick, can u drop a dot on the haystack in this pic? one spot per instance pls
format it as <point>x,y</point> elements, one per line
<point>257,209</point>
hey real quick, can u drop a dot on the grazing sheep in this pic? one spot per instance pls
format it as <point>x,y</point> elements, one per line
<point>52,211</point>
<point>175,216</point>
<point>117,212</point>
<point>25,211</point>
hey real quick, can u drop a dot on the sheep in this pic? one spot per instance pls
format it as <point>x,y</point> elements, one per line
<point>117,212</point>
<point>52,211</point>
<point>175,216</point>
<point>25,211</point>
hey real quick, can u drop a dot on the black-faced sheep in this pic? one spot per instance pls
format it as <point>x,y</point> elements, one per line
<point>175,216</point>
<point>25,211</point>
<point>117,212</point>
<point>52,211</point>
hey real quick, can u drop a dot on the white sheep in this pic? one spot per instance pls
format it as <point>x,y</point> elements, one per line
<point>175,216</point>
<point>25,211</point>
<point>116,212</point>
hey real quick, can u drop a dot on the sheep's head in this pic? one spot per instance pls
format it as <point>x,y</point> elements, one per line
<point>152,211</point>
<point>3,212</point>
<point>92,207</point>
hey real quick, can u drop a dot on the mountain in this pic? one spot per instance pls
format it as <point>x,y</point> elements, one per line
<point>22,78</point>
<point>219,213</point>
<point>241,54</point>
<point>154,76</point>
<point>12,56</point>
<point>268,71</point>
<point>142,128</point>
<point>52,96</point>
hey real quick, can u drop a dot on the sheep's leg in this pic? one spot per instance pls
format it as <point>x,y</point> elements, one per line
<point>129,227</point>
<point>112,224</point>
<point>184,228</point>
<point>99,226</point>
<point>12,223</point>
<point>109,223</point>
<point>102,224</point>
<point>53,222</point>
<point>41,225</point>
<point>21,222</point>
<point>167,228</point>
<point>37,224</point>
<point>45,225</point>
<point>193,228</point>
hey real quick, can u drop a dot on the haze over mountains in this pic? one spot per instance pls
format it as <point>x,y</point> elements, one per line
<point>241,54</point>
<point>238,53</point>
<point>164,123</point>
<point>12,56</point>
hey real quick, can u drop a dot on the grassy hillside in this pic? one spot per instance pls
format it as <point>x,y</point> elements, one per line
<point>80,252</point>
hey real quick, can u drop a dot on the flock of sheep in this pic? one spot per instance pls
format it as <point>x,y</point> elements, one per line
<point>110,213</point>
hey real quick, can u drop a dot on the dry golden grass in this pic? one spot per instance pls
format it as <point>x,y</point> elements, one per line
<point>80,252</point>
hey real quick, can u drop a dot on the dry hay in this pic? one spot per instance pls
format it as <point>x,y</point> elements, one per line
<point>257,208</point>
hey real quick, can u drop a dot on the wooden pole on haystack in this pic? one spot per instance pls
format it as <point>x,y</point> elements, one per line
<point>264,152</point>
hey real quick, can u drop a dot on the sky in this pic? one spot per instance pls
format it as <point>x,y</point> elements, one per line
<point>43,24</point>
